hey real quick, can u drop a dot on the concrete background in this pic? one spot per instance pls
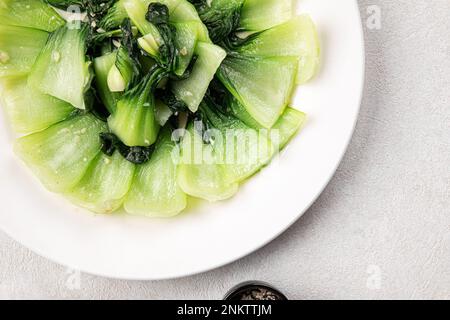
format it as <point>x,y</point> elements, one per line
<point>382,227</point>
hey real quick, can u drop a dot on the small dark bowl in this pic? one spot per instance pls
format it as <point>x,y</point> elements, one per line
<point>256,291</point>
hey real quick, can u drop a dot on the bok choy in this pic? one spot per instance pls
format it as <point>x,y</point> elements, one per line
<point>34,14</point>
<point>61,70</point>
<point>19,49</point>
<point>143,104</point>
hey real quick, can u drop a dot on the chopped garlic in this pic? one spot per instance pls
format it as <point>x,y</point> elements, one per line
<point>4,57</point>
<point>184,51</point>
<point>56,56</point>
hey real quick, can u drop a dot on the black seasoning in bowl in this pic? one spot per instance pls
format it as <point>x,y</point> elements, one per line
<point>254,291</point>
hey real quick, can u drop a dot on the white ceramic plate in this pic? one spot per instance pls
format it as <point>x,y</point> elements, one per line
<point>208,235</point>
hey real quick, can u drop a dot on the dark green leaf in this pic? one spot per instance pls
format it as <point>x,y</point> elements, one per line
<point>158,15</point>
<point>95,10</point>
<point>169,99</point>
<point>128,56</point>
<point>137,155</point>
<point>221,20</point>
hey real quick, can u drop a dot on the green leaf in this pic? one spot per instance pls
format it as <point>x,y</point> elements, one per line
<point>258,15</point>
<point>137,155</point>
<point>288,125</point>
<point>19,48</point>
<point>104,185</point>
<point>127,69</point>
<point>185,41</point>
<point>61,154</point>
<point>134,120</point>
<point>296,38</point>
<point>201,172</point>
<point>136,11</point>
<point>114,17</point>
<point>158,16</point>
<point>102,67</point>
<point>31,14</point>
<point>193,89</point>
<point>28,109</point>
<point>155,191</point>
<point>221,17</point>
<point>61,69</point>
<point>262,85</point>
<point>243,150</point>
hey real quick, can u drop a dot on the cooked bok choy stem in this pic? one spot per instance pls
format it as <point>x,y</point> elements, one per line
<point>127,68</point>
<point>262,85</point>
<point>155,191</point>
<point>34,14</point>
<point>28,109</point>
<point>105,184</point>
<point>193,89</point>
<point>102,68</point>
<point>104,99</point>
<point>61,70</point>
<point>259,15</point>
<point>220,151</point>
<point>19,49</point>
<point>61,154</point>
<point>134,120</point>
<point>221,17</point>
<point>295,38</point>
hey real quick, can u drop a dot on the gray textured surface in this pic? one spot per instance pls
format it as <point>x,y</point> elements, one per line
<point>382,227</point>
